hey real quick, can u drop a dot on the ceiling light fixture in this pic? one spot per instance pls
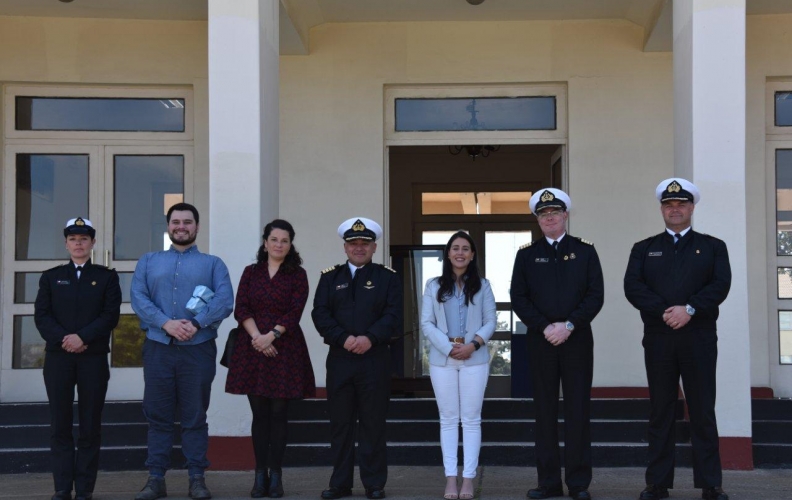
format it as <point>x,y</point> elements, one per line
<point>473,151</point>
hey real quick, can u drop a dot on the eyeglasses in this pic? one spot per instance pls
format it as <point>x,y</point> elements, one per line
<point>545,215</point>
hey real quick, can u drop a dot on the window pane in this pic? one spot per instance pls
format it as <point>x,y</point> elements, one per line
<point>785,282</point>
<point>501,250</point>
<point>26,287</point>
<point>50,189</point>
<point>784,201</point>
<point>785,336</point>
<point>481,203</point>
<point>145,188</point>
<point>127,350</point>
<point>28,344</point>
<point>486,113</point>
<point>97,114</point>
<point>783,109</point>
<point>500,357</point>
<point>125,280</point>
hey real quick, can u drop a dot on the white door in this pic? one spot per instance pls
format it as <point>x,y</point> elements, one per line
<point>125,192</point>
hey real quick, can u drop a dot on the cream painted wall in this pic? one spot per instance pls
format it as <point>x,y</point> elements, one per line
<point>620,137</point>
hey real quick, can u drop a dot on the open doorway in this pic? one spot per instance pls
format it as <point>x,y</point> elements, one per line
<point>437,190</point>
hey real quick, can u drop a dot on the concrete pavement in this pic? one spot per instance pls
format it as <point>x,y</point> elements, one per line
<point>413,483</point>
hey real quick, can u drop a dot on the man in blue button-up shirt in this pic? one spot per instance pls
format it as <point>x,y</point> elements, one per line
<point>180,351</point>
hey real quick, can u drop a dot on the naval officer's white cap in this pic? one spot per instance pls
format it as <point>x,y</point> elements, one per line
<point>359,228</point>
<point>677,188</point>
<point>549,198</point>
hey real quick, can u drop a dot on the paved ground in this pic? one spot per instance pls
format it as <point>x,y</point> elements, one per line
<point>413,483</point>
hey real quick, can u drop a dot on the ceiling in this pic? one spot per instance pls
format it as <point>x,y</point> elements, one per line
<point>299,16</point>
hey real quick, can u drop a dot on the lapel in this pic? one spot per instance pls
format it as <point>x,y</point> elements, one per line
<point>439,309</point>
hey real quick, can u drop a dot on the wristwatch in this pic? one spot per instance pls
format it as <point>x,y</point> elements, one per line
<point>276,332</point>
<point>569,326</point>
<point>690,309</point>
<point>195,324</point>
<point>476,344</point>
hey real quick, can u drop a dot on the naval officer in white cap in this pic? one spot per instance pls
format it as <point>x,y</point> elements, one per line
<point>557,289</point>
<point>677,279</point>
<point>357,310</point>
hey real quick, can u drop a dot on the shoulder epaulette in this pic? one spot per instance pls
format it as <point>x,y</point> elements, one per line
<point>389,268</point>
<point>330,268</point>
<point>527,245</point>
<point>587,242</point>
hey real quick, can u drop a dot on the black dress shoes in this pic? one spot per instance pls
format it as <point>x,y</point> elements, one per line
<point>332,493</point>
<point>653,492</point>
<point>260,484</point>
<point>546,492</point>
<point>83,496</point>
<point>579,494</point>
<point>714,493</point>
<point>62,495</point>
<point>375,493</point>
<point>276,484</point>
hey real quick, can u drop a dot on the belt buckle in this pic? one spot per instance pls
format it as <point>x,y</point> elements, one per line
<point>458,340</point>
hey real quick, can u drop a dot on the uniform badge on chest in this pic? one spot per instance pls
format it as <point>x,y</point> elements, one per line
<point>368,285</point>
<point>341,287</point>
<point>541,259</point>
<point>63,282</point>
<point>655,254</point>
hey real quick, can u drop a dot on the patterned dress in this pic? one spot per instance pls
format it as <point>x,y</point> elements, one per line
<point>279,300</point>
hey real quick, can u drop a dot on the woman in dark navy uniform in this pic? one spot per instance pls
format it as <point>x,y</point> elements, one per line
<point>77,307</point>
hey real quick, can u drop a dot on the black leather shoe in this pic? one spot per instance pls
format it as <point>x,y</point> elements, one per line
<point>83,496</point>
<point>276,484</point>
<point>62,495</point>
<point>653,492</point>
<point>714,493</point>
<point>375,493</point>
<point>579,494</point>
<point>546,492</point>
<point>260,485</point>
<point>155,488</point>
<point>332,493</point>
<point>198,489</point>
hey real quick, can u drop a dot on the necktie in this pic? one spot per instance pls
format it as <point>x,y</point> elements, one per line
<point>677,237</point>
<point>79,271</point>
<point>555,246</point>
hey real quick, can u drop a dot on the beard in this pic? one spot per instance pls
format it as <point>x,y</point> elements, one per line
<point>184,239</point>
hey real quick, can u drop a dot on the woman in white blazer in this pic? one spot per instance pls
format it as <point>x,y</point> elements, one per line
<point>458,318</point>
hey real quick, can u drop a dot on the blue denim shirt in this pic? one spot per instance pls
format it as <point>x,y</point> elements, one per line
<point>163,284</point>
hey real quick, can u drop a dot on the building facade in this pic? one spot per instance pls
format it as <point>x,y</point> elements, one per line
<point>316,111</point>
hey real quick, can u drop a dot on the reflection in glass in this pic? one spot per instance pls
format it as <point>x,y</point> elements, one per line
<point>127,348</point>
<point>783,109</point>
<point>481,203</point>
<point>125,280</point>
<point>485,113</point>
<point>50,189</point>
<point>98,114</point>
<point>503,321</point>
<point>28,344</point>
<point>500,357</point>
<point>145,188</point>
<point>785,337</point>
<point>785,282</point>
<point>502,247</point>
<point>26,287</point>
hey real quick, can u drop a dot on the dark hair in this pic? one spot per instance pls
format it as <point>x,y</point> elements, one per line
<point>293,260</point>
<point>471,277</point>
<point>182,206</point>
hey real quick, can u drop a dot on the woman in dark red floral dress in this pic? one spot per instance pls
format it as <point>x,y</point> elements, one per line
<point>270,363</point>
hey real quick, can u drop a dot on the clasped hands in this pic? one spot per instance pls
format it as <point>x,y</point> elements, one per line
<point>180,329</point>
<point>263,344</point>
<point>556,333</point>
<point>461,352</point>
<point>357,345</point>
<point>73,343</point>
<point>676,317</point>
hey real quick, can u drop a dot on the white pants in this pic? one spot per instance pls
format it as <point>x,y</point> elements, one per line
<point>459,390</point>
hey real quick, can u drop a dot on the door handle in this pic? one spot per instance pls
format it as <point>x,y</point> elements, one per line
<point>107,258</point>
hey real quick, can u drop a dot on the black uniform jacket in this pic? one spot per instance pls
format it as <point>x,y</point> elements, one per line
<point>549,286</point>
<point>698,273</point>
<point>89,307</point>
<point>371,306</point>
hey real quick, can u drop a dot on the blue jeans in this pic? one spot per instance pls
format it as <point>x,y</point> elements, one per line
<point>180,374</point>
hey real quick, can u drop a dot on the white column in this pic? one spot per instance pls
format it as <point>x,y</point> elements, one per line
<point>709,149</point>
<point>243,156</point>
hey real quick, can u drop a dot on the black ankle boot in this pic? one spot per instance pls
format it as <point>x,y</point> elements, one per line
<point>276,484</point>
<point>260,484</point>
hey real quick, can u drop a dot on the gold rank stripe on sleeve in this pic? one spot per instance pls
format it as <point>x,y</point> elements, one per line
<point>330,268</point>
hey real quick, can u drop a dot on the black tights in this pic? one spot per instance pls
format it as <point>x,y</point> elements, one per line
<point>268,431</point>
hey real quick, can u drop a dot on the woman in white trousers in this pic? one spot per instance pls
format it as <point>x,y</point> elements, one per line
<point>458,318</point>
